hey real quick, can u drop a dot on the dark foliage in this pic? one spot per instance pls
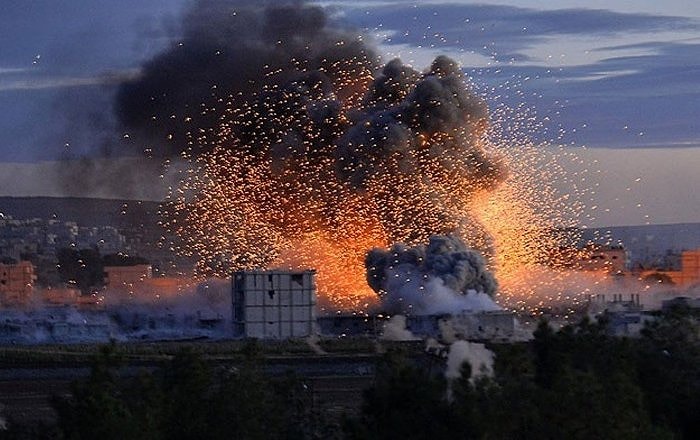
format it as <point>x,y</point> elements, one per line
<point>188,399</point>
<point>575,383</point>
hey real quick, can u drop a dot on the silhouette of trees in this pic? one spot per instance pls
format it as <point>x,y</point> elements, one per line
<point>575,383</point>
<point>187,399</point>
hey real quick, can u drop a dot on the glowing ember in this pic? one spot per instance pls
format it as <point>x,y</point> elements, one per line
<point>324,156</point>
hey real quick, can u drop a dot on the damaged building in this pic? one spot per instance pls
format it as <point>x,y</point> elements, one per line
<point>274,304</point>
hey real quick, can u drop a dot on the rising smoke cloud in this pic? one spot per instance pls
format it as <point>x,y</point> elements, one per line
<point>230,53</point>
<point>304,150</point>
<point>443,277</point>
<point>256,55</point>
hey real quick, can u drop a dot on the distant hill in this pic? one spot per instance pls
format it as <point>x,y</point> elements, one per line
<point>84,211</point>
<point>642,241</point>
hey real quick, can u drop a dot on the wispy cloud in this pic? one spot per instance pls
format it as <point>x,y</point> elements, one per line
<point>505,32</point>
<point>111,78</point>
<point>9,70</point>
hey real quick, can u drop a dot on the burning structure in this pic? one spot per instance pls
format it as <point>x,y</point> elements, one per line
<point>302,149</point>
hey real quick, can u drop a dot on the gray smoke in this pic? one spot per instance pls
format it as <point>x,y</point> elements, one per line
<point>282,85</point>
<point>443,277</point>
<point>404,107</point>
<point>232,53</point>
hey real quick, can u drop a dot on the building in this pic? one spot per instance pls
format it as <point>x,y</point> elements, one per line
<point>351,325</point>
<point>16,282</point>
<point>687,275</point>
<point>126,278</point>
<point>274,304</point>
<point>623,317</point>
<point>61,296</point>
<point>483,326</point>
<point>611,259</point>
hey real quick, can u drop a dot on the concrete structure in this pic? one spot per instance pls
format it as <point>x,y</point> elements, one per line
<point>611,259</point>
<point>274,304</point>
<point>688,275</point>
<point>126,278</point>
<point>351,325</point>
<point>624,314</point>
<point>16,282</point>
<point>483,326</point>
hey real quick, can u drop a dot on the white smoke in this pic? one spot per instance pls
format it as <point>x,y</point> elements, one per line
<point>479,357</point>
<point>313,342</point>
<point>408,291</point>
<point>395,330</point>
<point>480,360</point>
<point>202,312</point>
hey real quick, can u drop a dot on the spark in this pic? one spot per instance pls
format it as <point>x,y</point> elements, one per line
<point>275,190</point>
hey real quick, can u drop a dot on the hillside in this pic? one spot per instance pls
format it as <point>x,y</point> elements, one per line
<point>642,241</point>
<point>84,211</point>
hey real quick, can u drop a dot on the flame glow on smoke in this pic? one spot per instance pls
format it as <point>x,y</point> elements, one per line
<point>242,208</point>
<point>324,155</point>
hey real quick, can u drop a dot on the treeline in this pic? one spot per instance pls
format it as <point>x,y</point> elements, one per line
<point>576,383</point>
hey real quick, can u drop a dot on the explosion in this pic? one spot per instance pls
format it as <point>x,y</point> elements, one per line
<point>443,277</point>
<point>304,152</point>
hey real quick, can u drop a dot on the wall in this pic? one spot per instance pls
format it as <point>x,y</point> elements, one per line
<point>274,304</point>
<point>16,282</point>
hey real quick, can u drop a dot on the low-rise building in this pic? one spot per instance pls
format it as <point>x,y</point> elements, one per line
<point>687,275</point>
<point>16,282</point>
<point>126,278</point>
<point>607,258</point>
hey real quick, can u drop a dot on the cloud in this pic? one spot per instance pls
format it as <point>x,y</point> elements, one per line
<point>629,100</point>
<point>112,78</point>
<point>11,70</point>
<point>505,30</point>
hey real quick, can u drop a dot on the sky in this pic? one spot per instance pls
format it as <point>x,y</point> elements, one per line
<point>617,81</point>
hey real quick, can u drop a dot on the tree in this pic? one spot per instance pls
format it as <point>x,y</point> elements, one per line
<point>404,403</point>
<point>97,408</point>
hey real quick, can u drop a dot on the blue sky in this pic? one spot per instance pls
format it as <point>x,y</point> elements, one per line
<point>605,74</point>
<point>619,76</point>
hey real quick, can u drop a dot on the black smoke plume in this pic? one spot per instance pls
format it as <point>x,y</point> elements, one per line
<point>231,53</point>
<point>296,101</point>
<point>297,73</point>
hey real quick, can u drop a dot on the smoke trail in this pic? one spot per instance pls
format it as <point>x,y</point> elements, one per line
<point>443,277</point>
